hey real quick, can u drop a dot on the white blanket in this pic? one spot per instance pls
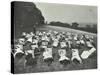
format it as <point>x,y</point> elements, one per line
<point>86,54</point>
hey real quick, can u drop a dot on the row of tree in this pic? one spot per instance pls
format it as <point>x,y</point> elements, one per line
<point>75,25</point>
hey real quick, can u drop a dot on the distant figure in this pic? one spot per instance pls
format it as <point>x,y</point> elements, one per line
<point>34,29</point>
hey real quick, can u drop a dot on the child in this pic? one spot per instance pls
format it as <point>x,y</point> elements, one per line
<point>47,56</point>
<point>63,44</point>
<point>75,53</point>
<point>63,58</point>
<point>75,56</point>
<point>18,51</point>
<point>55,43</point>
<point>30,59</point>
<point>43,45</point>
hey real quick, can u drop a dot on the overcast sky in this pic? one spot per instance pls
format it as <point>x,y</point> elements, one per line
<point>68,13</point>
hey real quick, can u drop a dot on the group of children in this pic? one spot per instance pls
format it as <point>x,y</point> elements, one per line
<point>31,45</point>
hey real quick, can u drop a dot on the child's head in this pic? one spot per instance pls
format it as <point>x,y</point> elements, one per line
<point>21,41</point>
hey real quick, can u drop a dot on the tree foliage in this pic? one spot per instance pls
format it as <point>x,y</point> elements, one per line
<point>75,25</point>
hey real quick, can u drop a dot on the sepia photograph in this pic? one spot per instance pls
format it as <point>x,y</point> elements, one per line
<point>49,37</point>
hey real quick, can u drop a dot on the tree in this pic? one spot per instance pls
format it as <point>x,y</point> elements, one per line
<point>88,26</point>
<point>61,24</point>
<point>46,22</point>
<point>94,28</point>
<point>26,14</point>
<point>75,25</point>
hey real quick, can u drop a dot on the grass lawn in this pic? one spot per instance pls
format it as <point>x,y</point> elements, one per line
<point>90,63</point>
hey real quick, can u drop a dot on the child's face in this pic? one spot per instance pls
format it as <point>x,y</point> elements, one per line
<point>22,41</point>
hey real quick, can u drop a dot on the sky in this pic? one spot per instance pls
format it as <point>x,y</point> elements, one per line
<point>68,13</point>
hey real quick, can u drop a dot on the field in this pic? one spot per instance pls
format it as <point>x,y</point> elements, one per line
<point>90,63</point>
